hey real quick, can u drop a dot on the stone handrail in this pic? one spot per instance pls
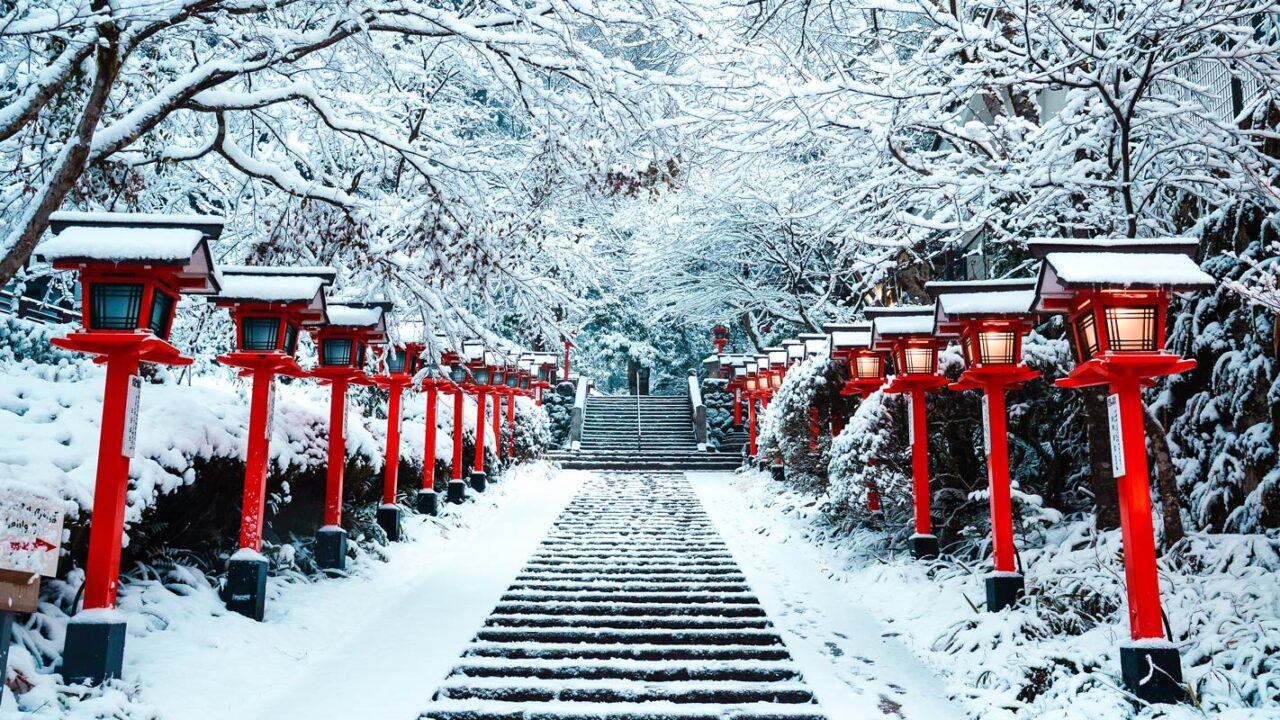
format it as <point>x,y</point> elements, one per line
<point>699,411</point>
<point>578,414</point>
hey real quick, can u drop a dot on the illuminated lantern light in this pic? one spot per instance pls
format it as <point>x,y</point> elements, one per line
<point>1115,294</point>
<point>343,341</point>
<point>269,305</point>
<point>990,318</point>
<point>131,270</point>
<point>907,334</point>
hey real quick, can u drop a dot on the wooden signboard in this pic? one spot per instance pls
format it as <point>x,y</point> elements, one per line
<point>30,538</point>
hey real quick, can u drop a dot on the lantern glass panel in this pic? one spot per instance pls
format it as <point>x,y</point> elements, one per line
<point>291,339</point>
<point>360,352</point>
<point>499,377</point>
<point>1086,336</point>
<point>481,376</point>
<point>114,306</point>
<point>162,314</point>
<point>751,384</point>
<point>396,360</point>
<point>457,373</point>
<point>335,352</point>
<point>776,380</point>
<point>1131,328</point>
<point>998,347</point>
<point>524,382</point>
<point>259,333</point>
<point>553,375</point>
<point>869,367</point>
<point>918,360</point>
<point>966,349</point>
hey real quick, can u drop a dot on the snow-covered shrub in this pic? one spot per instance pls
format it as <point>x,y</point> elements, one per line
<point>870,457</point>
<point>532,431</point>
<point>796,424</point>
<point>1226,413</point>
<point>558,404</point>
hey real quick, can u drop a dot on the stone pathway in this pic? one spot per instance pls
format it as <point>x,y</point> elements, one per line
<point>631,608</point>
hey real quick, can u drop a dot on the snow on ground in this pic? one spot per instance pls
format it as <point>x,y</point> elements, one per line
<point>372,645</point>
<point>1053,658</point>
<point>846,656</point>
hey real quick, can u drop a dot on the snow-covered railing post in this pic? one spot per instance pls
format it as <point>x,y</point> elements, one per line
<point>699,411</point>
<point>132,269</point>
<point>269,306</point>
<point>579,413</point>
<point>343,342</point>
<point>907,332</point>
<point>401,365</point>
<point>1115,294</point>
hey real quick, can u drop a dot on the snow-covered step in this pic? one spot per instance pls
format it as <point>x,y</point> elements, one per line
<point>527,690</point>
<point>740,671</point>
<point>632,608</point>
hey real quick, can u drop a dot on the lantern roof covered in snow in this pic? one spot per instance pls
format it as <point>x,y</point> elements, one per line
<point>847,337</point>
<point>297,287</point>
<point>1008,299</point>
<point>177,243</point>
<point>901,322</point>
<point>371,317</point>
<point>1071,267</point>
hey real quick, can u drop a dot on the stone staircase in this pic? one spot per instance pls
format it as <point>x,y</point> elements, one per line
<point>632,608</point>
<point>645,432</point>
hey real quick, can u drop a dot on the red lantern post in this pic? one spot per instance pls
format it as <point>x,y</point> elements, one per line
<point>720,338</point>
<point>132,269</point>
<point>990,318</point>
<point>907,333</point>
<point>460,383</point>
<point>402,363</point>
<point>483,365</point>
<point>1115,294</point>
<point>270,306</point>
<point>343,343</point>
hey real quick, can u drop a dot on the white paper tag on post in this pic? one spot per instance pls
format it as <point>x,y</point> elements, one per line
<point>986,425</point>
<point>1117,435</point>
<point>129,443</point>
<point>911,418</point>
<point>271,410</point>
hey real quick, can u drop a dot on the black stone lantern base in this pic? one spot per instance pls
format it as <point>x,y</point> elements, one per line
<point>389,521</point>
<point>457,492</point>
<point>246,590</point>
<point>331,548</point>
<point>1004,590</point>
<point>428,502</point>
<point>924,547</point>
<point>1153,672</point>
<point>479,480</point>
<point>94,649</point>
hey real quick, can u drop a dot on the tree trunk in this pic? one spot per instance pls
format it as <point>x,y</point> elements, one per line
<point>74,157</point>
<point>1166,478</point>
<point>1106,495</point>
